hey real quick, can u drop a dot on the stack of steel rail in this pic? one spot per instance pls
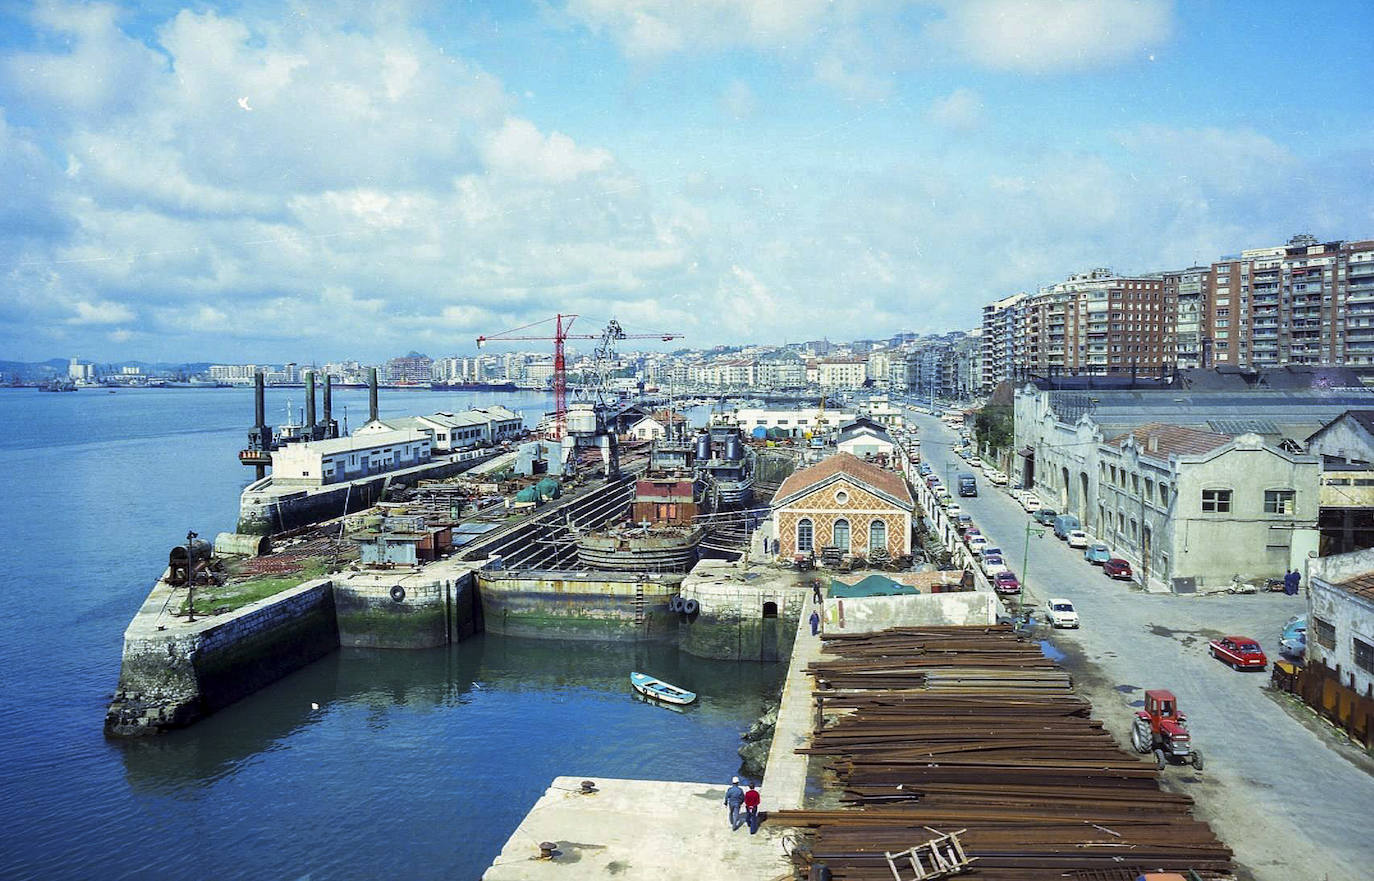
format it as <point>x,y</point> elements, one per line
<point>935,730</point>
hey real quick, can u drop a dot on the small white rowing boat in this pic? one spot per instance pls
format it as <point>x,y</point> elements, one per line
<point>660,690</point>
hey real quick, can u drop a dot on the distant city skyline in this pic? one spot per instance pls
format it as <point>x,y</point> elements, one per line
<point>247,181</point>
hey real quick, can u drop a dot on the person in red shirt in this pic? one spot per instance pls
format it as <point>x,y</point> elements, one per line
<point>751,808</point>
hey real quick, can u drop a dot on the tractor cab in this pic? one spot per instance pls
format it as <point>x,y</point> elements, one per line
<point>1162,708</point>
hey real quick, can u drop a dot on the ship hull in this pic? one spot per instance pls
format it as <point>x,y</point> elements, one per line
<point>655,550</point>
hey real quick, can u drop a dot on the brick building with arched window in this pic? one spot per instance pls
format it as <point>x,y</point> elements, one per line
<point>846,503</point>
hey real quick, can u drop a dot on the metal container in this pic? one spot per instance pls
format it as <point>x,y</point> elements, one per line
<point>734,449</point>
<point>703,447</point>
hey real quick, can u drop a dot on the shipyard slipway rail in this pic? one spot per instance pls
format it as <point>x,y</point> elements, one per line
<point>545,540</point>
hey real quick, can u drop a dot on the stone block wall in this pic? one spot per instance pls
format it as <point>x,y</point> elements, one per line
<point>547,606</point>
<point>734,621</point>
<point>406,612</point>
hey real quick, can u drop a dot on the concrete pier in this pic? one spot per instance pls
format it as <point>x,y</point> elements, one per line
<point>784,781</point>
<point>637,830</point>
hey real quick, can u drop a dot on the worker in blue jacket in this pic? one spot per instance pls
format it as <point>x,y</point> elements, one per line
<point>734,797</point>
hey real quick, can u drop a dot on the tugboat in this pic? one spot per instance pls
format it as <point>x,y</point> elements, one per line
<point>727,466</point>
<point>661,535</point>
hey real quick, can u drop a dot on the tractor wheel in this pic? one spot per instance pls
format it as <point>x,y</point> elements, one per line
<point>1197,760</point>
<point>1159,760</point>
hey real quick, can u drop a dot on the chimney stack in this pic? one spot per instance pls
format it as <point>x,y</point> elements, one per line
<point>329,431</point>
<point>310,404</point>
<point>1152,443</point>
<point>372,394</point>
<point>259,400</point>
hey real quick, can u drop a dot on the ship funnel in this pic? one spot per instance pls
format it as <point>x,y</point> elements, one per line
<point>259,400</point>
<point>703,447</point>
<point>310,404</point>
<point>734,450</point>
<point>372,394</point>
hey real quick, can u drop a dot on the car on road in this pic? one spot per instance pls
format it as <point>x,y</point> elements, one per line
<point>1064,524</point>
<point>1030,502</point>
<point>924,469</point>
<point>962,522</point>
<point>1118,568</point>
<point>1241,652</point>
<point>1077,538</point>
<point>991,564</point>
<point>995,477</point>
<point>975,542</point>
<point>1097,554</point>
<point>952,507</point>
<point>1005,583</point>
<point>975,461</point>
<point>1045,516</point>
<point>1061,613</point>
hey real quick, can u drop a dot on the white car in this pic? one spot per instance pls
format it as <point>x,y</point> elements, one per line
<point>976,543</point>
<point>997,478</point>
<point>991,564</point>
<point>1061,613</point>
<point>1031,502</point>
<point>1077,538</point>
<point>952,510</point>
<point>976,462</point>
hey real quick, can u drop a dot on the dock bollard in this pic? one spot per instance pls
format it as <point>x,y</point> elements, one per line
<point>547,849</point>
<point>588,787</point>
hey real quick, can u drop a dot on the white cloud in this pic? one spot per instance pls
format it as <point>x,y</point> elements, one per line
<point>103,312</point>
<point>960,111</point>
<point>519,149</point>
<point>738,100</point>
<point>1039,36</point>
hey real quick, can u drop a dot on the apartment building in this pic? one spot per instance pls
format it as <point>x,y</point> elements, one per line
<point>1002,349</point>
<point>841,372</point>
<point>1306,302</point>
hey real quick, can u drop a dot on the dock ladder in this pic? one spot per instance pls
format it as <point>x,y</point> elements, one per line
<point>639,605</point>
<point>939,857</point>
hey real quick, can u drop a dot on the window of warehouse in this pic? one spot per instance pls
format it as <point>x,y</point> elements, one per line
<point>1325,633</point>
<point>1216,501</point>
<point>1279,501</point>
<point>1364,655</point>
<point>804,534</point>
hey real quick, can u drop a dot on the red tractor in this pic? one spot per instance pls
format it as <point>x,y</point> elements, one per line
<point>1160,728</point>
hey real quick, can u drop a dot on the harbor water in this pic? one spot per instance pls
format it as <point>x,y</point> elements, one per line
<point>365,764</point>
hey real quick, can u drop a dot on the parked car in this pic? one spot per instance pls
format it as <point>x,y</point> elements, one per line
<point>1241,652</point>
<point>1064,524</point>
<point>962,522</point>
<point>951,507</point>
<point>1118,568</point>
<point>1061,613</point>
<point>1005,583</point>
<point>1077,538</point>
<point>975,461</point>
<point>991,564</point>
<point>1030,502</point>
<point>1097,554</point>
<point>997,478</point>
<point>1045,516</point>
<point>975,542</point>
<point>924,469</point>
<point>1295,626</point>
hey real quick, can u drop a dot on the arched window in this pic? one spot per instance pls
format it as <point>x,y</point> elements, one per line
<point>877,536</point>
<point>842,534</point>
<point>804,534</point>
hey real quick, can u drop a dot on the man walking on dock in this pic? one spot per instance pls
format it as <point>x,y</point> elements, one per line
<point>815,623</point>
<point>816,592</point>
<point>734,797</point>
<point>751,808</point>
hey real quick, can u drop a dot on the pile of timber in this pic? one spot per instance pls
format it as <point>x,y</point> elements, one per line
<point>933,730</point>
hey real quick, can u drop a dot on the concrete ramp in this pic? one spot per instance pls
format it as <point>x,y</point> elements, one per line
<point>784,780</point>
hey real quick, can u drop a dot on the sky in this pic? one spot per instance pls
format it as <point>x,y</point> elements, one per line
<point>314,181</point>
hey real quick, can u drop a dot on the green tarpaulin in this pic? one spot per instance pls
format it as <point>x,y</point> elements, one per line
<point>872,586</point>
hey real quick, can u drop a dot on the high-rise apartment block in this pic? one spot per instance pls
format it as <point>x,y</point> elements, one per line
<point>1306,302</point>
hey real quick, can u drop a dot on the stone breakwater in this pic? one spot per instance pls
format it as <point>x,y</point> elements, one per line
<point>174,673</point>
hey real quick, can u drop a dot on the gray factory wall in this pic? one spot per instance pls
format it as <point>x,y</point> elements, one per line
<point>547,606</point>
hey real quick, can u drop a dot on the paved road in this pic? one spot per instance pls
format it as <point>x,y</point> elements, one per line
<point>1290,804</point>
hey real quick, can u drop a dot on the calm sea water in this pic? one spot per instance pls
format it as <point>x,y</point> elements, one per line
<point>416,764</point>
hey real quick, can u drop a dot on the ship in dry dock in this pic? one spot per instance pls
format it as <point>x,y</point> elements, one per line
<point>727,466</point>
<point>661,534</point>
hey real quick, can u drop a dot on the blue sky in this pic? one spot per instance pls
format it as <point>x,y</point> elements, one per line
<point>273,181</point>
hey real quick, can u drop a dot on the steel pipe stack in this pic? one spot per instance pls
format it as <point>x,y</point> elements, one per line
<point>372,394</point>
<point>329,429</point>
<point>935,730</point>
<point>310,405</point>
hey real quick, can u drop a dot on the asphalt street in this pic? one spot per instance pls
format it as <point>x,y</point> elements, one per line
<point>1288,801</point>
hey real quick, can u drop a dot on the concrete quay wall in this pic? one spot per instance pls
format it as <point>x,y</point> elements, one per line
<point>406,611</point>
<point>743,616</point>
<point>174,672</point>
<point>557,605</point>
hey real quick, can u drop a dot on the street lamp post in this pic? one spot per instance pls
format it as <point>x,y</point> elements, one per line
<point>190,577</point>
<point>1025,561</point>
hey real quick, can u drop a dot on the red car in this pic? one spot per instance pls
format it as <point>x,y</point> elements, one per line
<point>1117,568</point>
<point>1005,582</point>
<point>1241,652</point>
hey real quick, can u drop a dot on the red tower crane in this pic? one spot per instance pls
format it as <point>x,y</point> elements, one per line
<point>562,324</point>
